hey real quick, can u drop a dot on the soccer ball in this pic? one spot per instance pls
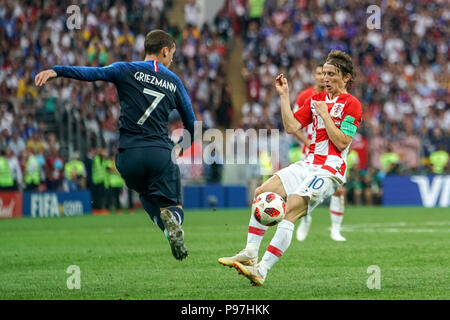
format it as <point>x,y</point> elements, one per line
<point>269,208</point>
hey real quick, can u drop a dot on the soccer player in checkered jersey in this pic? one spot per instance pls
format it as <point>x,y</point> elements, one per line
<point>337,202</point>
<point>335,115</point>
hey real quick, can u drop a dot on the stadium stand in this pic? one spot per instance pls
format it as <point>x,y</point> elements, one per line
<point>402,78</point>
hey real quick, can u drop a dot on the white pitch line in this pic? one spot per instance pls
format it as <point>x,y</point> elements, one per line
<point>398,224</point>
<point>408,230</point>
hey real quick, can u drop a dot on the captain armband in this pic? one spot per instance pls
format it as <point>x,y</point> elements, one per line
<point>348,127</point>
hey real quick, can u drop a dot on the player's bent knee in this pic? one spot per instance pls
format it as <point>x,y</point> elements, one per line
<point>274,184</point>
<point>258,191</point>
<point>339,192</point>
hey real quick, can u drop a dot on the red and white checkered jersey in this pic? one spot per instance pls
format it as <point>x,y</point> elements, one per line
<point>302,97</point>
<point>322,152</point>
<point>308,130</point>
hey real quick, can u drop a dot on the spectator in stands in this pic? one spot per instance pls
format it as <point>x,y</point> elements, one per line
<point>32,171</point>
<point>4,140</point>
<point>16,144</point>
<point>371,185</point>
<point>31,128</point>
<point>110,128</point>
<point>6,118</point>
<point>225,108</point>
<point>439,160</point>
<point>191,13</point>
<point>54,170</point>
<point>6,174</point>
<point>355,186</point>
<point>438,140</point>
<point>88,161</point>
<point>92,125</point>
<point>390,161</point>
<point>99,183</point>
<point>213,168</point>
<point>115,184</point>
<point>51,142</point>
<point>75,173</point>
<point>256,10</point>
<point>14,168</point>
<point>223,21</point>
<point>35,143</point>
<point>409,148</point>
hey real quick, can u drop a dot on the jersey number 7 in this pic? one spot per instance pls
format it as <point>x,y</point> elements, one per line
<point>158,97</point>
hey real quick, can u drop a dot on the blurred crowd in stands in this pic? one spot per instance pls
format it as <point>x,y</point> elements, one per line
<point>402,80</point>
<point>34,36</point>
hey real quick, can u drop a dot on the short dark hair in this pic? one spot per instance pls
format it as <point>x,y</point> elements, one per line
<point>343,62</point>
<point>157,39</point>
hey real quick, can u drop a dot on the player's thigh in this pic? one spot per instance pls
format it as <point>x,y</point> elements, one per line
<point>292,176</point>
<point>167,187</point>
<point>139,167</point>
<point>317,187</point>
<point>273,184</point>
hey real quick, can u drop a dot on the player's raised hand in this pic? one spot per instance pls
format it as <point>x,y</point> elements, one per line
<point>44,76</point>
<point>321,107</point>
<point>281,85</point>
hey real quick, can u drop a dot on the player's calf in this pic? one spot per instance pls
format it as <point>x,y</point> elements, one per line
<point>337,214</point>
<point>296,207</point>
<point>303,228</point>
<point>249,255</point>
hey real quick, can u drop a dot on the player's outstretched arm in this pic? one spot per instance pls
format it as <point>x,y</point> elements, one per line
<point>185,109</point>
<point>289,122</point>
<point>300,136</point>
<point>44,76</point>
<point>109,73</point>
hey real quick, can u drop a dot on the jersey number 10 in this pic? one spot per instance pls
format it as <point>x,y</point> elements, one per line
<point>158,97</point>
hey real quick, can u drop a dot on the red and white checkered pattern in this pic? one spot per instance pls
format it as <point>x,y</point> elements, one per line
<point>308,130</point>
<point>322,151</point>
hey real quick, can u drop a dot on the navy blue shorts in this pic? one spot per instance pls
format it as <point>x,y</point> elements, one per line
<point>151,172</point>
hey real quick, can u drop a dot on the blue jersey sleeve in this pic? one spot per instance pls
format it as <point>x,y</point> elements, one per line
<point>185,109</point>
<point>108,73</point>
<point>184,105</point>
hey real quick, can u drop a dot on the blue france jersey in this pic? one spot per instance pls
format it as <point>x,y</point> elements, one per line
<point>148,92</point>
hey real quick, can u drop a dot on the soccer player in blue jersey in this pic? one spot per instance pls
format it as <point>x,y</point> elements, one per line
<point>148,91</point>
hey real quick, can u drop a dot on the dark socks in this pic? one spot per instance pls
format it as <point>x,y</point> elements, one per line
<point>177,213</point>
<point>153,210</point>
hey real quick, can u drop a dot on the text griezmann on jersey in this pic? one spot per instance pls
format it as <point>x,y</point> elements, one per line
<point>145,77</point>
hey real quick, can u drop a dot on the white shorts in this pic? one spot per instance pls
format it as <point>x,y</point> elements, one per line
<point>306,180</point>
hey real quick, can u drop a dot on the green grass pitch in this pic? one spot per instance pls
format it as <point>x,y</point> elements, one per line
<point>127,257</point>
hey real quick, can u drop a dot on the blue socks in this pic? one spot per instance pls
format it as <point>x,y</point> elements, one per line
<point>153,210</point>
<point>177,213</point>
